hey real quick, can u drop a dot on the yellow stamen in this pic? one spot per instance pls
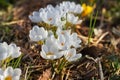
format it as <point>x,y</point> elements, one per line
<point>62,44</point>
<point>8,78</point>
<point>50,19</point>
<point>49,53</point>
<point>40,42</point>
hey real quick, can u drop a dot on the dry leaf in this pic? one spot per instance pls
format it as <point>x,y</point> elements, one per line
<point>46,75</point>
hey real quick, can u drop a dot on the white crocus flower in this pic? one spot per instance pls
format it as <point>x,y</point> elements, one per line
<point>70,7</point>
<point>63,41</point>
<point>58,22</point>
<point>74,40</point>
<point>35,17</point>
<point>63,38</point>
<point>63,32</point>
<point>50,15</point>
<point>53,15</point>
<point>45,18</point>
<point>71,55</point>
<point>48,8</point>
<point>9,51</point>
<point>14,51</point>
<point>43,15</point>
<point>72,19</point>
<point>3,50</point>
<point>50,50</point>
<point>68,40</point>
<point>37,34</point>
<point>10,74</point>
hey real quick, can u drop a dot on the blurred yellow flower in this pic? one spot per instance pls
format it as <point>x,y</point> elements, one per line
<point>86,9</point>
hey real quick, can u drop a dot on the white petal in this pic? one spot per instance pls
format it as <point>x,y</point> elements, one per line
<point>2,77</point>
<point>35,17</point>
<point>37,34</point>
<point>1,71</point>
<point>44,48</point>
<point>16,78</point>
<point>17,72</point>
<point>70,53</point>
<point>43,55</point>
<point>8,71</point>
<point>60,54</point>
<point>3,50</point>
<point>14,50</point>
<point>74,58</point>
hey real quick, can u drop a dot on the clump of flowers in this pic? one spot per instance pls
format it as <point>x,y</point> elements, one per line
<point>59,15</point>
<point>55,48</point>
<point>7,53</point>
<point>60,43</point>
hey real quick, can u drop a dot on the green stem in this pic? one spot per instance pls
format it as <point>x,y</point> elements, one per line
<point>17,62</point>
<point>91,27</point>
<point>89,33</point>
<point>53,66</point>
<point>94,23</point>
<point>61,66</point>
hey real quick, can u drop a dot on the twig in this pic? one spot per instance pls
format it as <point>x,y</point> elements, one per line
<point>85,39</point>
<point>26,73</point>
<point>101,37</point>
<point>68,73</point>
<point>94,41</point>
<point>12,22</point>
<point>100,70</point>
<point>53,76</point>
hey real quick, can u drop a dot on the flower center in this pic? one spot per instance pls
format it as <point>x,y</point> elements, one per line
<point>63,33</point>
<point>8,78</point>
<point>62,44</point>
<point>40,42</point>
<point>50,19</point>
<point>49,53</point>
<point>70,55</point>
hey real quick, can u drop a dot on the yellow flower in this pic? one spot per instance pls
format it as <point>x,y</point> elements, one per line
<point>86,9</point>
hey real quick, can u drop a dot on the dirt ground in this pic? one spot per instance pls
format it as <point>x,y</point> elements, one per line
<point>103,51</point>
